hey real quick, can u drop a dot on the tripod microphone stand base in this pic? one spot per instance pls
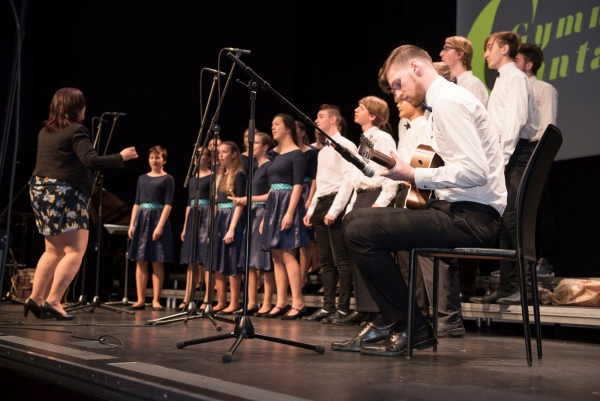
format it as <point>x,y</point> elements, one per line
<point>193,313</point>
<point>97,303</point>
<point>245,330</point>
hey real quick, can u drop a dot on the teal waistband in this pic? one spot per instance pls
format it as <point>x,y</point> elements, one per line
<point>281,187</point>
<point>259,203</point>
<point>225,205</point>
<point>307,180</point>
<point>147,205</point>
<point>200,202</point>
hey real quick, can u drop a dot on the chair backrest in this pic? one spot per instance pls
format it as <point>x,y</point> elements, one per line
<point>531,187</point>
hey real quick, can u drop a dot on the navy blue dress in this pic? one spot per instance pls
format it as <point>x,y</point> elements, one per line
<point>227,256</point>
<point>152,194</point>
<point>203,209</point>
<point>285,171</point>
<point>259,259</point>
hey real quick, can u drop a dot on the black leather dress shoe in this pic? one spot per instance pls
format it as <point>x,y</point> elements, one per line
<point>489,299</point>
<point>353,318</point>
<point>336,315</point>
<point>369,333</point>
<point>396,343</point>
<point>455,329</point>
<point>317,316</point>
<point>514,299</point>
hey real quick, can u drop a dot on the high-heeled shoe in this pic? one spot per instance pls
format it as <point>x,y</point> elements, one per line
<point>47,308</point>
<point>280,312</point>
<point>301,312</point>
<point>30,305</point>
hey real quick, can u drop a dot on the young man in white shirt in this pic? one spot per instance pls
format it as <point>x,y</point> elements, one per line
<point>325,214</point>
<point>514,117</point>
<point>458,54</point>
<point>372,115</point>
<point>470,189</point>
<point>529,59</point>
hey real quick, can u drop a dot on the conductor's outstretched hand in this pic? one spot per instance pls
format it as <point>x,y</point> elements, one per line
<point>129,154</point>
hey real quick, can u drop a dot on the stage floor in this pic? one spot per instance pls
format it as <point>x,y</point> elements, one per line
<point>486,364</point>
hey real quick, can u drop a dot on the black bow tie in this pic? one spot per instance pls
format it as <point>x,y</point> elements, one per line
<point>426,107</point>
<point>498,75</point>
<point>407,125</point>
<point>326,143</point>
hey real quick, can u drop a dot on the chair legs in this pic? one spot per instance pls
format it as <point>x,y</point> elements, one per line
<point>536,309</point>
<point>525,309</point>
<point>436,285</point>
<point>412,278</point>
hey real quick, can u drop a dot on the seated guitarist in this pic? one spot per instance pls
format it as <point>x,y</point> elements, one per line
<point>470,191</point>
<point>450,322</point>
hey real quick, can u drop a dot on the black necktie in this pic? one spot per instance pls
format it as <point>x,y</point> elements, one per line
<point>426,107</point>
<point>407,125</point>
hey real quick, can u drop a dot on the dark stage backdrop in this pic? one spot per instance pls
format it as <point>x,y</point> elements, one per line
<point>144,59</point>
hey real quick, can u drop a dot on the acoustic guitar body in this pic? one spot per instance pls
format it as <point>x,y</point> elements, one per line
<point>423,157</point>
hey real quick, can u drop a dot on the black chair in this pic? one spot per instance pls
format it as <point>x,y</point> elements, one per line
<point>528,199</point>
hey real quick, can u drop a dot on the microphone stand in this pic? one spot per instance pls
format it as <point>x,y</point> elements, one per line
<point>194,171</point>
<point>99,178</point>
<point>208,312</point>
<point>244,328</point>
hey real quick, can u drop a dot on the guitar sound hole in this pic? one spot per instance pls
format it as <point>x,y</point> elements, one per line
<point>421,162</point>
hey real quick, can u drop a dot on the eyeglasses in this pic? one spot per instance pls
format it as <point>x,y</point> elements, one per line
<point>448,48</point>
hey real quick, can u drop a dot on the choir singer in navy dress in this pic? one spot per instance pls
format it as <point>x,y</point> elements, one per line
<point>150,229</point>
<point>229,225</point>
<point>282,228</point>
<point>260,260</point>
<point>202,182</point>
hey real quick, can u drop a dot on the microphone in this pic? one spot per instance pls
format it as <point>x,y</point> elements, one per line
<point>240,51</point>
<point>114,113</point>
<point>351,158</point>
<point>98,118</point>
<point>213,71</point>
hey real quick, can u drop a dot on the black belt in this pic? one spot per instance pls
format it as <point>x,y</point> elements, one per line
<point>328,196</point>
<point>361,190</point>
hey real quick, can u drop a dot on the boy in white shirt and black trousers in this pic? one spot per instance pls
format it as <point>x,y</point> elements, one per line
<point>514,117</point>
<point>529,59</point>
<point>325,216</point>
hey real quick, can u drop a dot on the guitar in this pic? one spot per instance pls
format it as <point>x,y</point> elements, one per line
<point>423,157</point>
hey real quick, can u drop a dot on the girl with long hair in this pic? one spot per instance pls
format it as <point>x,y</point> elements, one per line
<point>260,260</point>
<point>231,183</point>
<point>282,228</point>
<point>202,183</point>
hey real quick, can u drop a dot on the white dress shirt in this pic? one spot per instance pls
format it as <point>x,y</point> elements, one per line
<point>512,109</point>
<point>474,85</point>
<point>546,98</point>
<point>334,175</point>
<point>419,133</point>
<point>383,142</point>
<point>464,139</point>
